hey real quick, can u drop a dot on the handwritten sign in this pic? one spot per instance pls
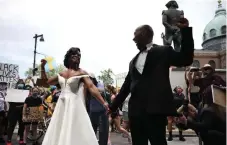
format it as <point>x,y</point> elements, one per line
<point>17,96</point>
<point>9,73</point>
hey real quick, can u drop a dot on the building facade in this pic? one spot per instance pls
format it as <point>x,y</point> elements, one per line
<point>214,42</point>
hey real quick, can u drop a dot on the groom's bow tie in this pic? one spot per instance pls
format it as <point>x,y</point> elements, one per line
<point>146,50</point>
<point>143,49</point>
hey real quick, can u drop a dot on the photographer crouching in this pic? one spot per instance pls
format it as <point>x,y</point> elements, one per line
<point>212,119</point>
<point>188,110</point>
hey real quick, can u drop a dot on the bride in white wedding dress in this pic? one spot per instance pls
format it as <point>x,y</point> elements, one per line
<point>70,123</point>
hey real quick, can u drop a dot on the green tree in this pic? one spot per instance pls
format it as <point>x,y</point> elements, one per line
<point>51,73</point>
<point>29,72</point>
<point>106,77</point>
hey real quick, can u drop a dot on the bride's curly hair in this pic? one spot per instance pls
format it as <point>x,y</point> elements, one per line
<point>68,54</point>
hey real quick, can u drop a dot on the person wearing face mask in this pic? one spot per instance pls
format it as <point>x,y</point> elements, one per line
<point>212,118</point>
<point>20,84</point>
<point>31,113</point>
<point>211,124</point>
<point>209,78</point>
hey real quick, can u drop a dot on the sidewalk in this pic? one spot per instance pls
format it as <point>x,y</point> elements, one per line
<point>175,132</point>
<point>188,132</point>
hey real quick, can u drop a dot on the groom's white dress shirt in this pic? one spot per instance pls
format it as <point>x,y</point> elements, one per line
<point>142,58</point>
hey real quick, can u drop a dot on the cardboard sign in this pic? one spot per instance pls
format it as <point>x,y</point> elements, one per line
<point>17,96</point>
<point>9,73</point>
<point>219,95</point>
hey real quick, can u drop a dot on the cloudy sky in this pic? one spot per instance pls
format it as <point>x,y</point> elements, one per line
<point>103,29</point>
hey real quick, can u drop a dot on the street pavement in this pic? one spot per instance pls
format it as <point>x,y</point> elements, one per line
<point>117,139</point>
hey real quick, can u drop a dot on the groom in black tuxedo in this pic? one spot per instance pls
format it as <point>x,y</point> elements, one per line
<point>148,81</point>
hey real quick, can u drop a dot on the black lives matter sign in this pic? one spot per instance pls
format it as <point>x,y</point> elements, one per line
<point>9,73</point>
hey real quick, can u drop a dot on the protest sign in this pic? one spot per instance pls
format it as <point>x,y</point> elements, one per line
<point>17,96</point>
<point>9,73</point>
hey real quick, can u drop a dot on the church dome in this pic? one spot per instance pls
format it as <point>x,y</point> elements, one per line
<point>216,28</point>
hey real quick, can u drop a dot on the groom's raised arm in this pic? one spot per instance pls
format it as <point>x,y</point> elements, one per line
<point>186,54</point>
<point>122,95</point>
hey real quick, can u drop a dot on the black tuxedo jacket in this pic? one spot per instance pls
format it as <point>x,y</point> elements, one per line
<point>151,91</point>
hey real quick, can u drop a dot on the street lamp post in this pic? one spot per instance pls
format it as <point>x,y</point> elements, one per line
<point>41,40</point>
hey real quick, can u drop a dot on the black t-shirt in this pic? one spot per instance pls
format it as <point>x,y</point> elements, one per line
<point>56,96</point>
<point>178,99</point>
<point>33,101</point>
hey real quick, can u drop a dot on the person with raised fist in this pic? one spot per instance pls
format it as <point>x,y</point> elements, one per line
<point>148,82</point>
<point>70,123</point>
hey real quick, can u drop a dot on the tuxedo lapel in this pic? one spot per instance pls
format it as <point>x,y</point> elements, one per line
<point>133,61</point>
<point>149,56</point>
<point>152,60</point>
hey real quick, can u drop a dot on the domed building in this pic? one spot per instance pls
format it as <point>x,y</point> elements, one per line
<point>214,42</point>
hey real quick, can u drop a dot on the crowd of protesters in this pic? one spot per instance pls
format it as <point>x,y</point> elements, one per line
<point>26,114</point>
<point>196,110</point>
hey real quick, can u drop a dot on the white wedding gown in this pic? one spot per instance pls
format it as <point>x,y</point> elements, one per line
<point>70,123</point>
